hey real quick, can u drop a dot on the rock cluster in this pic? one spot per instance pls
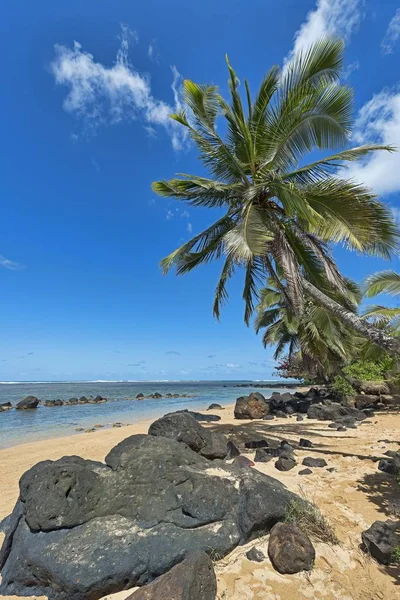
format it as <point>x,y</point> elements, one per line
<point>83,529</point>
<point>316,404</point>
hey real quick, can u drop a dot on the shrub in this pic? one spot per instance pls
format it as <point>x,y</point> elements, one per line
<point>396,554</point>
<point>342,387</point>
<point>309,518</point>
<point>370,370</point>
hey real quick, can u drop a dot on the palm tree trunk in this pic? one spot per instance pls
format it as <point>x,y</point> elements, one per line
<point>376,336</point>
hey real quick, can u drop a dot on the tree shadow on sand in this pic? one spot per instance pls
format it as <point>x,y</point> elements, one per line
<point>383,491</point>
<point>245,431</point>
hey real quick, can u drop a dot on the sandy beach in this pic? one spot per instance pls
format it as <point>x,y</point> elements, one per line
<point>353,496</point>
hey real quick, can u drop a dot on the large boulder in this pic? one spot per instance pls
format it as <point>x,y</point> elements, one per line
<point>333,412</point>
<point>286,403</point>
<point>183,427</point>
<point>192,579</point>
<point>251,407</point>
<point>27,403</point>
<point>83,529</point>
<point>373,388</point>
<point>381,539</point>
<point>363,401</point>
<point>290,549</point>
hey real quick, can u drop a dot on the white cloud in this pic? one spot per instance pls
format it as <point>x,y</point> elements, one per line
<point>169,215</point>
<point>354,66</point>
<point>378,121</point>
<point>150,51</point>
<point>190,228</point>
<point>6,263</point>
<point>330,17</point>
<point>102,94</point>
<point>233,366</point>
<point>392,34</point>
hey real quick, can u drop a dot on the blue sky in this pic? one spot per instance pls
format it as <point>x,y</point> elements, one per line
<point>87,89</point>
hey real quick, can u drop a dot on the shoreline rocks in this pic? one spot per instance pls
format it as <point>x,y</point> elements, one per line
<point>27,403</point>
<point>84,529</point>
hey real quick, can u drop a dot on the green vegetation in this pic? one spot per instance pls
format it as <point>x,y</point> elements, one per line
<point>396,555</point>
<point>369,370</point>
<point>310,519</point>
<point>342,387</point>
<point>280,215</point>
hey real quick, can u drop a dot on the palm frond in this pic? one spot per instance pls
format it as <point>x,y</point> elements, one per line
<point>387,282</point>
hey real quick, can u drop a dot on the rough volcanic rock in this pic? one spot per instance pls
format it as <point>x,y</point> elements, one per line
<point>5,406</point>
<point>303,443</point>
<point>232,450</point>
<point>200,417</point>
<point>263,455</point>
<point>84,529</point>
<point>27,403</point>
<point>51,403</point>
<point>305,472</point>
<point>381,539</point>
<point>215,407</point>
<point>256,444</point>
<point>192,579</point>
<point>251,407</point>
<point>285,403</point>
<point>140,396</point>
<point>285,462</point>
<point>363,401</point>
<point>255,554</point>
<point>333,412</point>
<point>309,461</point>
<point>290,549</point>
<point>182,427</point>
<point>372,388</point>
<point>391,466</point>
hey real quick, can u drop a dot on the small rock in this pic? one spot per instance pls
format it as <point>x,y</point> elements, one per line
<point>381,539</point>
<point>305,472</point>
<point>303,443</point>
<point>285,463</point>
<point>117,425</point>
<point>309,461</point>
<point>341,428</point>
<point>232,450</point>
<point>27,403</point>
<point>79,429</point>
<point>390,466</point>
<point>255,554</point>
<point>215,407</point>
<point>98,426</point>
<point>269,418</point>
<point>290,549</point>
<point>299,418</point>
<point>280,414</point>
<point>331,469</point>
<point>140,396</point>
<point>263,455</point>
<point>257,444</point>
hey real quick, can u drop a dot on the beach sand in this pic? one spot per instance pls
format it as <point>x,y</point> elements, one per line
<point>352,497</point>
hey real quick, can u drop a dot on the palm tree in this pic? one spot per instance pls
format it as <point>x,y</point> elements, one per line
<point>279,215</point>
<point>387,282</point>
<point>318,338</point>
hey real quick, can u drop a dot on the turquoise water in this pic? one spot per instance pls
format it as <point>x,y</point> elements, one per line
<point>23,426</point>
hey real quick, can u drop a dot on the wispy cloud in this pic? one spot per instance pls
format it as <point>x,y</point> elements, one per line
<point>173,352</point>
<point>190,228</point>
<point>6,263</point>
<point>329,17</point>
<point>392,34</point>
<point>104,95</point>
<point>233,365</point>
<point>211,356</point>
<point>378,121</point>
<point>351,68</point>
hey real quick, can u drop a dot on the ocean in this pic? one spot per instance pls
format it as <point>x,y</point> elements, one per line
<point>18,426</point>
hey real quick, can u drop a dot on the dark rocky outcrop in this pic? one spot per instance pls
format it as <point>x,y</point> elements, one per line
<point>373,388</point>
<point>290,549</point>
<point>215,407</point>
<point>309,461</point>
<point>5,406</point>
<point>51,403</point>
<point>27,403</point>
<point>381,539</point>
<point>84,529</point>
<point>251,407</point>
<point>140,396</point>
<point>182,427</point>
<point>334,412</point>
<point>256,444</point>
<point>192,579</point>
